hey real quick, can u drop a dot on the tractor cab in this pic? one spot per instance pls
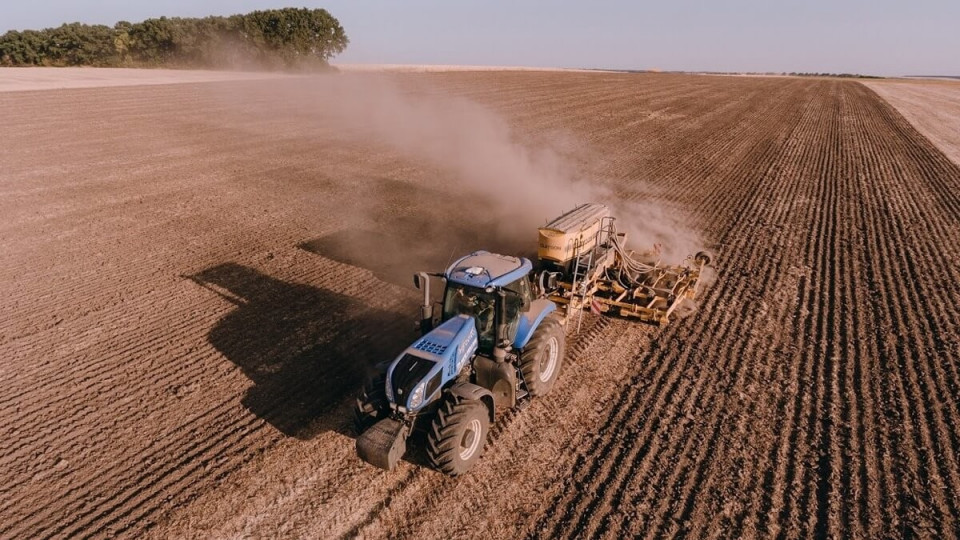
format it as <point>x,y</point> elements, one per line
<point>491,346</point>
<point>493,290</point>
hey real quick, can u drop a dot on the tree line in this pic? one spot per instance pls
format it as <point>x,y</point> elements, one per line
<point>272,39</point>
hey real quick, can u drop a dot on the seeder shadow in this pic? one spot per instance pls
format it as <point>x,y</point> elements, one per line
<point>306,349</point>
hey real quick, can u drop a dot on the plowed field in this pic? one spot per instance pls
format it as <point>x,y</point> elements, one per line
<point>196,277</point>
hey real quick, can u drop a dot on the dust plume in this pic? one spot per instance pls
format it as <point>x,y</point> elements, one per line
<point>523,183</point>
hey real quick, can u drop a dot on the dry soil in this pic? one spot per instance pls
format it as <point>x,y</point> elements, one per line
<point>196,277</point>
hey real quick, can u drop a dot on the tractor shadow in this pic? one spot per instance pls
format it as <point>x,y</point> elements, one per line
<point>305,349</point>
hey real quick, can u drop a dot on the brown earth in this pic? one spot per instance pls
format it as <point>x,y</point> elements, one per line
<point>186,317</point>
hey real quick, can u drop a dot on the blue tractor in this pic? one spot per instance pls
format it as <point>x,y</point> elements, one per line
<point>493,346</point>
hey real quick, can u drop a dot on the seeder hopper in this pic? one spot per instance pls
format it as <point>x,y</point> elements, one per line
<point>584,264</point>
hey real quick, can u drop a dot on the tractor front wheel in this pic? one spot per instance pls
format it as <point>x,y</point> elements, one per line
<point>371,404</point>
<point>541,359</point>
<point>458,434</point>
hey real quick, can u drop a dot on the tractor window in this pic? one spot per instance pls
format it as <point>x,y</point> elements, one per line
<point>481,305</point>
<point>522,286</point>
<point>476,303</point>
<point>514,308</point>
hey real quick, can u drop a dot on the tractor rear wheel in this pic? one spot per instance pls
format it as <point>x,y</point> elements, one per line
<point>457,435</point>
<point>541,359</point>
<point>371,404</point>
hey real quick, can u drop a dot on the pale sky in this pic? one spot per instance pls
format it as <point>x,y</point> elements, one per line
<point>879,37</point>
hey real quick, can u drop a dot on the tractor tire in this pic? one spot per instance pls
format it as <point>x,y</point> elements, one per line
<point>542,358</point>
<point>457,435</point>
<point>371,404</point>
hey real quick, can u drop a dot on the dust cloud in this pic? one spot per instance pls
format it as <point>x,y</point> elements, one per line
<point>523,183</point>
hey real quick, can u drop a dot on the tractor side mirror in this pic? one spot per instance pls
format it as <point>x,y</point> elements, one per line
<point>552,280</point>
<point>548,281</point>
<point>421,280</point>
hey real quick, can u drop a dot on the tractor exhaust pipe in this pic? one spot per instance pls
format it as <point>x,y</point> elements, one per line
<point>422,281</point>
<point>501,343</point>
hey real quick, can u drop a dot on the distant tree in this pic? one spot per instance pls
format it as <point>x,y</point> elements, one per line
<point>296,36</point>
<point>22,48</point>
<point>78,44</point>
<point>287,37</point>
<point>151,41</point>
<point>122,41</point>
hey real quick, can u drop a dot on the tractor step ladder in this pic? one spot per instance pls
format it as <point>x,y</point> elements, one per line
<point>583,268</point>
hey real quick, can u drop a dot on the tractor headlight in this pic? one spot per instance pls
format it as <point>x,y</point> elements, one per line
<point>388,390</point>
<point>416,398</point>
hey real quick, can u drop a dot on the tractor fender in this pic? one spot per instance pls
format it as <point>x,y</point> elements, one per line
<point>465,390</point>
<point>530,320</point>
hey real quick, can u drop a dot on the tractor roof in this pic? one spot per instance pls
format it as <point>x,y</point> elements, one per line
<point>484,269</point>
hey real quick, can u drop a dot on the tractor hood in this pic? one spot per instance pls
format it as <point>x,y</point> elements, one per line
<point>421,370</point>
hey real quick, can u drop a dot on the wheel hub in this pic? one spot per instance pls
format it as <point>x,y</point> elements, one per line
<point>470,440</point>
<point>548,363</point>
